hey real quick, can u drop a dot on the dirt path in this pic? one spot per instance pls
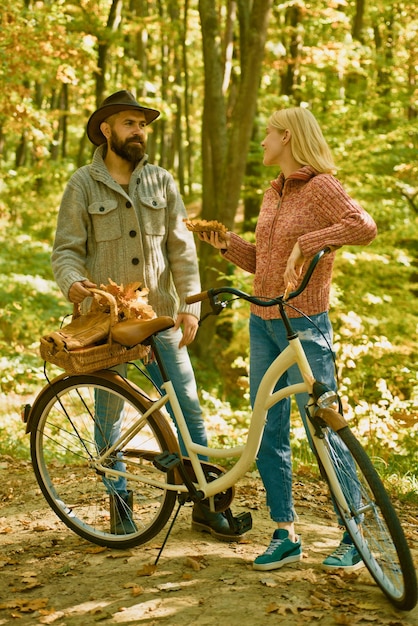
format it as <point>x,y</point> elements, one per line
<point>50,576</point>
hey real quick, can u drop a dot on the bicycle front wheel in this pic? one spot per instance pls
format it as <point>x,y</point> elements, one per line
<point>369,516</point>
<point>73,419</point>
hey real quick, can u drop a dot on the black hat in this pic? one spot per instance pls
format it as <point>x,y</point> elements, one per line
<point>117,102</point>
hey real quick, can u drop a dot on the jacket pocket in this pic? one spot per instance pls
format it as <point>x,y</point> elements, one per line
<point>154,214</point>
<point>105,220</point>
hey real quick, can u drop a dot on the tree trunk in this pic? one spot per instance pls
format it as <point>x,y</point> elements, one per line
<point>384,52</point>
<point>357,28</point>
<point>113,22</point>
<point>228,117</point>
<point>188,176</point>
<point>290,74</point>
<point>64,108</point>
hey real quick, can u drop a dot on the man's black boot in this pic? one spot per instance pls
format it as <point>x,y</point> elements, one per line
<point>121,506</point>
<point>216,524</point>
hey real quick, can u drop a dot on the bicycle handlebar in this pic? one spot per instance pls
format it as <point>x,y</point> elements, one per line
<point>211,293</point>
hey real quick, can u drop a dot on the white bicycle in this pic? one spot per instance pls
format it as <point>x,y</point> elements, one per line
<point>72,471</point>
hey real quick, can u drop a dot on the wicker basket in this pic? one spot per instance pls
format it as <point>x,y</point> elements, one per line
<point>95,357</point>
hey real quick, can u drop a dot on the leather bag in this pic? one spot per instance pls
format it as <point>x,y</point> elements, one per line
<point>85,344</point>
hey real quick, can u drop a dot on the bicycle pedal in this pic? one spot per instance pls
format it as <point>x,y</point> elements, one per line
<point>243,523</point>
<point>166,461</point>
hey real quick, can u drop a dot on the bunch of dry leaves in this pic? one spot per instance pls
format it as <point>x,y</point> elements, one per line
<point>131,300</point>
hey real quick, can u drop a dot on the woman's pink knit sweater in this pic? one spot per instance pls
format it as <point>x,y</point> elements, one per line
<point>309,208</point>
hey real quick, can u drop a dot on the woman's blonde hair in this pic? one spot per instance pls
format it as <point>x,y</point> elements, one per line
<point>307,142</point>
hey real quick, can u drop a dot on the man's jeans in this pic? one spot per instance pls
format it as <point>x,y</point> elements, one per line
<point>180,372</point>
<point>267,341</point>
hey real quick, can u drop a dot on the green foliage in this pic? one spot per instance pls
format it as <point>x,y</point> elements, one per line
<point>30,302</point>
<point>29,200</point>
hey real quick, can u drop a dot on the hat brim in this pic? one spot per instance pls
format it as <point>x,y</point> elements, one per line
<point>93,125</point>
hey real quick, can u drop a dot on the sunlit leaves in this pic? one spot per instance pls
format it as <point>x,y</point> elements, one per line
<point>36,48</point>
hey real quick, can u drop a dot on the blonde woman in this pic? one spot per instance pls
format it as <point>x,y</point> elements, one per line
<point>304,210</point>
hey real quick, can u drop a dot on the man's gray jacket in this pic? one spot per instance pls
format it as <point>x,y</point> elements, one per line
<point>104,232</point>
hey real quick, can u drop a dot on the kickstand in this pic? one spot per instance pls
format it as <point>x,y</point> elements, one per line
<point>169,531</point>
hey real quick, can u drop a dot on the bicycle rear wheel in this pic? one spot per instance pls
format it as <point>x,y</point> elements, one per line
<point>72,418</point>
<point>370,518</point>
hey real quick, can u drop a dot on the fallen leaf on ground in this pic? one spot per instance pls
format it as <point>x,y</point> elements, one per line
<point>25,606</point>
<point>269,582</point>
<point>136,589</point>
<point>50,618</point>
<point>95,549</point>
<point>195,562</point>
<point>147,570</point>
<point>320,602</point>
<point>282,609</point>
<point>119,555</point>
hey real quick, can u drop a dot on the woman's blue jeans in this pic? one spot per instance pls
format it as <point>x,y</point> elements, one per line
<point>267,341</point>
<point>180,372</point>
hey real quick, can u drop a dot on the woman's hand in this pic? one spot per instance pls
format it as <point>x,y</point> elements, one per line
<point>294,267</point>
<point>215,239</point>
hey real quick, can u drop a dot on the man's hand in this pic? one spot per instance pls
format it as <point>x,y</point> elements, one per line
<point>190,325</point>
<point>294,267</point>
<point>80,290</point>
<point>215,239</point>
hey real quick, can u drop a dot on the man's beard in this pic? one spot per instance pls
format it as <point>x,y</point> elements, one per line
<point>130,150</point>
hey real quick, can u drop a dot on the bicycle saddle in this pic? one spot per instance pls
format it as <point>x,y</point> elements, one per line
<point>134,331</point>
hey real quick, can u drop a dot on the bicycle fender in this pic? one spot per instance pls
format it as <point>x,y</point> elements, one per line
<point>27,410</point>
<point>332,418</point>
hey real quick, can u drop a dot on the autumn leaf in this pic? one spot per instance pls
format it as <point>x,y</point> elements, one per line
<point>319,602</point>
<point>229,581</point>
<point>344,619</point>
<point>119,555</point>
<point>39,528</point>
<point>281,609</point>
<point>196,563</point>
<point>31,584</point>
<point>132,302</point>
<point>338,582</point>
<point>25,606</point>
<point>147,570</point>
<point>136,590</point>
<point>95,549</point>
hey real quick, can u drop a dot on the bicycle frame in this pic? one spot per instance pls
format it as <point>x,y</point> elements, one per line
<point>265,399</point>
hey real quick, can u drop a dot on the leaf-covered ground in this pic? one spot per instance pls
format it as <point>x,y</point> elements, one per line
<point>51,576</point>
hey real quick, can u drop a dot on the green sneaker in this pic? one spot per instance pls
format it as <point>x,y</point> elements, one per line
<point>345,556</point>
<point>280,551</point>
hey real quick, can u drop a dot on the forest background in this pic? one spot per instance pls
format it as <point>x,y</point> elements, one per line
<point>217,69</point>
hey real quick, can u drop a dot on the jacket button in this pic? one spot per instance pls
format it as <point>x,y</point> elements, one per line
<point>138,180</point>
<point>132,233</point>
<point>128,205</point>
<point>154,203</point>
<point>135,261</point>
<point>101,209</point>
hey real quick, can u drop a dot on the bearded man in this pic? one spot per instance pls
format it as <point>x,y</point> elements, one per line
<point>122,218</point>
